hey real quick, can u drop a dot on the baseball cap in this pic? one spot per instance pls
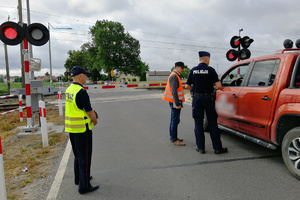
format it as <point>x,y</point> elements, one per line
<point>180,64</point>
<point>78,70</point>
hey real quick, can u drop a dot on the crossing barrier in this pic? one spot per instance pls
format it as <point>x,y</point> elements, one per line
<point>8,96</point>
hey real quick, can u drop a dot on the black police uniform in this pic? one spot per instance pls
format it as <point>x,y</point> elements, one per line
<point>82,146</point>
<point>203,78</point>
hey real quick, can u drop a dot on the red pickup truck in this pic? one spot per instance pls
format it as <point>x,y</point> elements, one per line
<point>260,101</point>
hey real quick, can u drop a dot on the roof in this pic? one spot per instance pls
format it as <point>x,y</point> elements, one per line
<point>159,73</point>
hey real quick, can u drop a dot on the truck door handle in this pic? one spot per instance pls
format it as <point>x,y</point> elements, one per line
<point>234,96</point>
<point>266,98</point>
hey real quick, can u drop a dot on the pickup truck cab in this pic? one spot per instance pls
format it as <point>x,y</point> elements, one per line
<point>260,101</point>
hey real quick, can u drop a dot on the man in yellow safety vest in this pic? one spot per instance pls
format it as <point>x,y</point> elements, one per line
<point>80,118</point>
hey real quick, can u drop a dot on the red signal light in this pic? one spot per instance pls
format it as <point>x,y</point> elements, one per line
<point>10,33</point>
<point>235,42</point>
<point>232,55</point>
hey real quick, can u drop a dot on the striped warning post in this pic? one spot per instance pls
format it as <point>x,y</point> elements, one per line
<point>60,107</point>
<point>2,177</point>
<point>27,84</point>
<point>42,108</point>
<point>21,108</point>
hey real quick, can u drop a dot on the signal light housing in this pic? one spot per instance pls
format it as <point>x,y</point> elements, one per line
<point>235,42</point>
<point>11,33</point>
<point>232,55</point>
<point>246,42</point>
<point>244,54</point>
<point>37,34</point>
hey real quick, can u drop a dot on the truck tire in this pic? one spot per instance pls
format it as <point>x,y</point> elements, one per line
<point>290,150</point>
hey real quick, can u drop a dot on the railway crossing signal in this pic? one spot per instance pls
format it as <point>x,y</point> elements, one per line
<point>12,33</point>
<point>237,42</point>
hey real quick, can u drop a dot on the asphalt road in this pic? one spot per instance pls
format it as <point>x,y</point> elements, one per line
<point>134,159</point>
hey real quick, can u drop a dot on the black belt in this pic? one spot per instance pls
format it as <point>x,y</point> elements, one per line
<point>203,94</point>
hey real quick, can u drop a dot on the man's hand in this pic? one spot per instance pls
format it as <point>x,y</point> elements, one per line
<point>178,107</point>
<point>189,87</point>
<point>93,117</point>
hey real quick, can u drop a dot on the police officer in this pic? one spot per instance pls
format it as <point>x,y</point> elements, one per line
<point>202,81</point>
<point>80,118</point>
<point>175,96</point>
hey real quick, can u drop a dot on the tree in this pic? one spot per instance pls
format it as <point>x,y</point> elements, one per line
<point>84,58</point>
<point>116,50</point>
<point>76,58</point>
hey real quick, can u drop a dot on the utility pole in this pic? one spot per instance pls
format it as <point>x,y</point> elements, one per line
<point>7,69</point>
<point>29,45</point>
<point>22,44</point>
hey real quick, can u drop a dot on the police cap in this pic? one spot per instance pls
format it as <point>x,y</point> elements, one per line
<point>203,53</point>
<point>78,70</point>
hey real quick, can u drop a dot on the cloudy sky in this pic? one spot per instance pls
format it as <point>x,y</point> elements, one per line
<point>168,30</point>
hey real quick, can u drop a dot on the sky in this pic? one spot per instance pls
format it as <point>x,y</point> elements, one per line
<point>168,30</point>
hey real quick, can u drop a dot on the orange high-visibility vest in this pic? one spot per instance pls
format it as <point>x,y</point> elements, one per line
<point>168,91</point>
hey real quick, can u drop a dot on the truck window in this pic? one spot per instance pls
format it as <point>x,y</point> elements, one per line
<point>234,77</point>
<point>263,73</point>
<point>296,74</point>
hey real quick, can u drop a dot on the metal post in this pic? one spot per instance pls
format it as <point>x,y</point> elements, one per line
<point>30,46</point>
<point>50,60</point>
<point>7,69</point>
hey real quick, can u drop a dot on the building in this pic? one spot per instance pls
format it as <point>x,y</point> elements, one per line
<point>11,79</point>
<point>157,75</point>
<point>120,76</point>
<point>43,78</point>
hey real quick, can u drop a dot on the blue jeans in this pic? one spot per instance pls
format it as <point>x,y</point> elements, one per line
<point>175,120</point>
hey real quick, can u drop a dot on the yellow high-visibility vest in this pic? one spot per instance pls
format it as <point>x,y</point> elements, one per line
<point>168,96</point>
<point>75,118</point>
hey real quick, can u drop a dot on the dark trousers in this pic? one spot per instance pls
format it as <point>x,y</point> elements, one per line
<point>203,103</point>
<point>174,121</point>
<point>82,149</point>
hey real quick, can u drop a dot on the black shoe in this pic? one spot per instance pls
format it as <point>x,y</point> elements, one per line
<point>91,189</point>
<point>222,150</point>
<point>200,151</point>
<point>77,183</point>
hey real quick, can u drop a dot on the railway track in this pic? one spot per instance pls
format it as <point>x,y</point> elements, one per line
<point>7,107</point>
<point>11,103</point>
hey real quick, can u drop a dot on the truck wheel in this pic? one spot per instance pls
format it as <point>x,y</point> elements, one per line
<point>290,150</point>
<point>205,122</point>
